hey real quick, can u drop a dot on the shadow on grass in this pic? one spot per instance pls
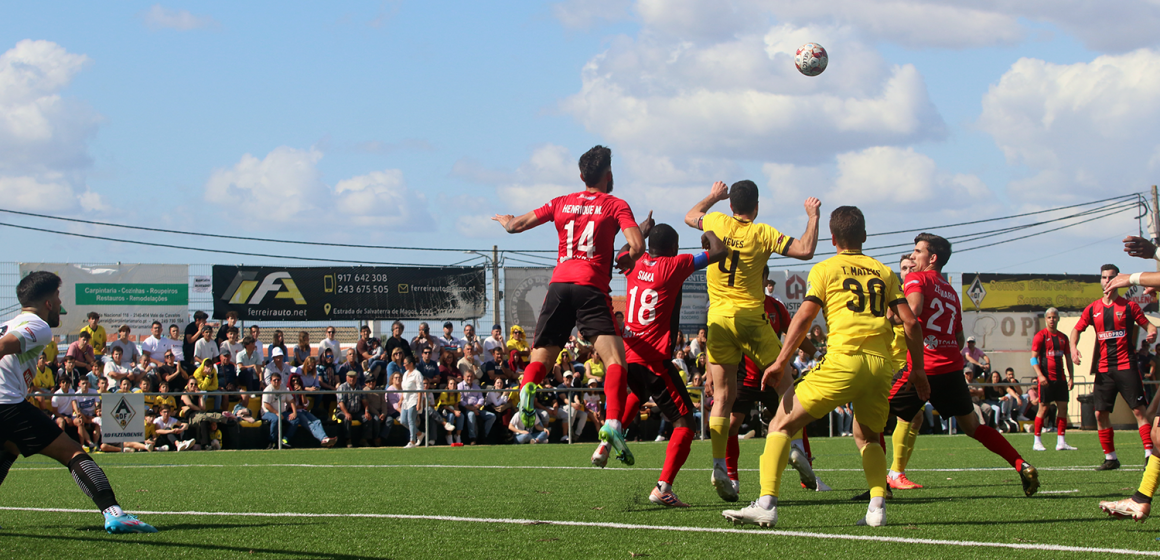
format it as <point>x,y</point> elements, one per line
<point>107,541</point>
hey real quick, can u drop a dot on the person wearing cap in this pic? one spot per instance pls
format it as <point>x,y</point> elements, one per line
<point>277,365</point>
<point>495,340</point>
<point>451,342</point>
<point>977,361</point>
<point>352,406</point>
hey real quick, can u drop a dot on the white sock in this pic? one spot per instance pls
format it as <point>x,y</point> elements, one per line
<point>768,501</point>
<point>449,440</point>
<point>798,444</point>
<point>1110,456</point>
<point>893,474</point>
<point>115,511</point>
<point>1039,440</point>
<point>457,440</point>
<point>1059,440</point>
<point>877,503</point>
<point>719,463</point>
<point>614,424</point>
<point>664,486</point>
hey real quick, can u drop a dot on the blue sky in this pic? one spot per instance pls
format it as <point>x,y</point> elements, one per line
<point>409,124</point>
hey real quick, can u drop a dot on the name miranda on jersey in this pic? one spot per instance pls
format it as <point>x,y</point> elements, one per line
<point>581,209</point>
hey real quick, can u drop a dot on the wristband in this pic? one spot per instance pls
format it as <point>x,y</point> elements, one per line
<point>1134,279</point>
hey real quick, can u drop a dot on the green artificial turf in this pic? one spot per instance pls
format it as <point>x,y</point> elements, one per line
<point>973,504</point>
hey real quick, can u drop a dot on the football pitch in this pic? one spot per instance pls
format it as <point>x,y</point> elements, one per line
<point>537,501</point>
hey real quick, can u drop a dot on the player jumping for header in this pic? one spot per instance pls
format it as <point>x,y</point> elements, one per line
<point>578,295</point>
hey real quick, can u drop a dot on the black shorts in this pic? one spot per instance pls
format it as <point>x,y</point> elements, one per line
<point>569,306</point>
<point>1055,391</point>
<point>27,427</point>
<point>662,382</point>
<point>949,395</point>
<point>748,396</point>
<point>1126,382</point>
<point>904,400</point>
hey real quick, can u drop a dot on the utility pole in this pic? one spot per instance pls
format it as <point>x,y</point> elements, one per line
<point>1154,224</point>
<point>495,275</point>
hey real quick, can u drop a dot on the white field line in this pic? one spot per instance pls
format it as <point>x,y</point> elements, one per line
<point>1059,491</point>
<point>533,467</point>
<point>752,532</point>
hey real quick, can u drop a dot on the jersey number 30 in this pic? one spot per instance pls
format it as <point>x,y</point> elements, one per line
<point>875,291</point>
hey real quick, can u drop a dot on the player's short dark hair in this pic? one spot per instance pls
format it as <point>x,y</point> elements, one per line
<point>36,287</point>
<point>594,164</point>
<point>1111,267</point>
<point>848,225</point>
<point>938,245</point>
<point>743,197</point>
<point>663,236</point>
<point>94,315</point>
<point>200,315</point>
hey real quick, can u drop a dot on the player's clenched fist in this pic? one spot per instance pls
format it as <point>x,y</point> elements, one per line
<point>720,190</point>
<point>812,207</point>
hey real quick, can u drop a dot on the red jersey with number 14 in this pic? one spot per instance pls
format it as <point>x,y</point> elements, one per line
<point>587,223</point>
<point>940,318</point>
<point>1115,340</point>
<point>1050,349</point>
<point>654,289</point>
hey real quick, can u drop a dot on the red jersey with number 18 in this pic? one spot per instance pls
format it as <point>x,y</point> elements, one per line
<point>940,319</point>
<point>587,223</point>
<point>654,289</point>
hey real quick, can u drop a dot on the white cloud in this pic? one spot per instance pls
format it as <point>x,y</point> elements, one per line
<point>550,172</point>
<point>44,136</point>
<point>1082,128</point>
<point>285,187</point>
<point>584,14</point>
<point>160,17</point>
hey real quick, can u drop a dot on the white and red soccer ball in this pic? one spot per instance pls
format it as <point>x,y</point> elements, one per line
<point>811,59</point>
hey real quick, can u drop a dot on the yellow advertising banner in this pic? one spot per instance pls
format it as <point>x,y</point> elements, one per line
<point>1037,292</point>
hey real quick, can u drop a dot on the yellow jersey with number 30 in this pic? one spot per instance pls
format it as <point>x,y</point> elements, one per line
<point>854,291</point>
<point>735,283</point>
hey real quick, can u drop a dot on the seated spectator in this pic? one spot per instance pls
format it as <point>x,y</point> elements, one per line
<point>126,386</point>
<point>394,366</point>
<point>467,364</point>
<point>498,401</point>
<point>215,436</point>
<point>571,407</point>
<point>1016,392</point>
<point>302,350</point>
<point>277,365</point>
<point>223,332</point>
<point>71,371</point>
<point>396,340</point>
<point>802,364</point>
<point>129,353</point>
<point>259,348</point>
<point>170,432</point>
<point>351,364</point>
<point>429,406</point>
<point>495,340</point>
<point>250,364</point>
<point>172,372</point>
<point>472,402</point>
<point>206,348</point>
<point>1001,404</point>
<point>448,406</point>
<point>448,366</point>
<point>43,383</point>
<point>163,400</point>
<point>328,380</point>
<point>84,405</point>
<point>62,409</point>
<point>536,434</point>
<point>450,342</point>
<point>548,403</point>
<point>153,347</point>
<point>279,342</point>
<point>392,403</point>
<point>426,365</point>
<point>977,360</point>
<point>299,414</point>
<point>309,374</point>
<point>682,367</point>
<point>379,424</point>
<point>495,368</point>
<point>206,377</point>
<point>982,409</point>
<point>518,350</point>
<point>844,420</point>
<point>365,351</point>
<point>351,407</point>
<point>192,403</point>
<point>176,344</point>
<point>563,363</point>
<point>594,368</point>
<point>471,339</point>
<point>329,343</point>
<point>227,372</point>
<point>103,385</point>
<point>97,337</point>
<point>116,371</point>
<point>593,404</point>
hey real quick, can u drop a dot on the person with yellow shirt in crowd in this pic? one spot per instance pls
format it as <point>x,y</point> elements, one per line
<point>518,350</point>
<point>43,384</point>
<point>97,335</point>
<point>162,401</point>
<point>737,324</point>
<point>594,368</point>
<point>207,380</point>
<point>448,407</point>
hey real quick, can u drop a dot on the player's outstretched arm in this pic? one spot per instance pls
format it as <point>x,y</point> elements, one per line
<point>515,225</point>
<point>793,338</point>
<point>635,250</point>
<point>645,226</point>
<point>803,247</point>
<point>1139,247</point>
<point>1150,281</point>
<point>720,191</point>
<point>913,330</point>
<point>714,248</point>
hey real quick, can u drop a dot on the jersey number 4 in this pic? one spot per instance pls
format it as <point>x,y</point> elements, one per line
<point>585,244</point>
<point>875,291</point>
<point>733,257</point>
<point>648,305</point>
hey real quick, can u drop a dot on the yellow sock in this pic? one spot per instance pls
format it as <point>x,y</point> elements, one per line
<point>797,434</point>
<point>874,465</point>
<point>911,437</point>
<point>773,462</point>
<point>1151,476</point>
<point>719,435</point>
<point>899,441</point>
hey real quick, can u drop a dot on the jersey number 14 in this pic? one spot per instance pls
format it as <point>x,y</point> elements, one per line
<point>585,244</point>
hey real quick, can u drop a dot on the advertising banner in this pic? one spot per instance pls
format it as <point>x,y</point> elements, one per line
<point>122,417</point>
<point>1037,292</point>
<point>694,303</point>
<point>523,295</point>
<point>348,293</point>
<point>123,294</point>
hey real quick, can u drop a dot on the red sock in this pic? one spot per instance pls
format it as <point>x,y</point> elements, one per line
<point>1060,426</point>
<point>615,387</point>
<point>1039,425</point>
<point>676,453</point>
<point>1146,436</point>
<point>1107,440</point>
<point>534,373</point>
<point>732,453</point>
<point>806,444</point>
<point>631,409</point>
<point>882,441</point>
<point>997,444</point>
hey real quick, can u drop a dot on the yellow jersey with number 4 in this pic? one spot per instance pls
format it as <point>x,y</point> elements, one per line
<point>854,291</point>
<point>735,283</point>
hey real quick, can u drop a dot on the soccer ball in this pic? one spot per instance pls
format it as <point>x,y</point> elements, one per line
<point>811,59</point>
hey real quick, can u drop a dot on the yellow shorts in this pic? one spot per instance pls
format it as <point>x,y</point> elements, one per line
<point>751,335</point>
<point>863,380</point>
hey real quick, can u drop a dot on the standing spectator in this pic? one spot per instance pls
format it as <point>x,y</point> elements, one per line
<point>448,406</point>
<point>223,332</point>
<point>536,434</point>
<point>495,368</point>
<point>84,405</point>
<point>392,403</point>
<point>192,335</point>
<point>412,381</point>
<point>328,380</point>
<point>279,342</point>
<point>272,407</point>
<point>351,364</point>
<point>329,343</point>
<point>517,349</point>
<point>299,415</point>
<point>426,364</point>
<point>351,407</point>
<point>277,365</point>
<point>423,341</point>
<point>232,344</point>
<point>977,360</point>
<point>97,335</point>
<point>365,351</point>
<point>472,402</point>
<point>259,349</point>
<point>250,365</point>
<point>697,345</point>
<point>471,339</point>
<point>397,341</point>
<point>205,348</point>
<point>154,346</point>
<point>495,340</point>
<point>468,363</point>
<point>52,352</point>
<point>129,353</point>
<point>302,350</point>
<point>206,376</point>
<point>82,352</point>
<point>176,344</point>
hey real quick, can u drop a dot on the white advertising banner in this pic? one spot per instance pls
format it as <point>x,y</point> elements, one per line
<point>122,417</point>
<point>123,294</point>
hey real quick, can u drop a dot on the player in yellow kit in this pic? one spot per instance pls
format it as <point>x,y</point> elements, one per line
<point>856,293</point>
<point>737,322</point>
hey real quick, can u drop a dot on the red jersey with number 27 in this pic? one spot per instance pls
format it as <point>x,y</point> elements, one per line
<point>587,223</point>
<point>940,318</point>
<point>1115,340</point>
<point>654,288</point>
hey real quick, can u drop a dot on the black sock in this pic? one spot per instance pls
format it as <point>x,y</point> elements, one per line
<point>92,481</point>
<point>6,460</point>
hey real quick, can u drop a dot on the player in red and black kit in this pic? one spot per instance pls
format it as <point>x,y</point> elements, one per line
<point>936,304</point>
<point>578,295</point>
<point>654,292</point>
<point>750,391</point>
<point>1051,354</point>
<point>1114,319</point>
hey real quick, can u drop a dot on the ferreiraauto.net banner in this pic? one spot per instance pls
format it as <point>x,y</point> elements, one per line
<point>348,293</point>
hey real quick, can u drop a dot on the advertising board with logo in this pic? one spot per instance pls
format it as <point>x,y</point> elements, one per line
<point>523,296</point>
<point>1037,292</point>
<point>122,417</point>
<point>348,293</point>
